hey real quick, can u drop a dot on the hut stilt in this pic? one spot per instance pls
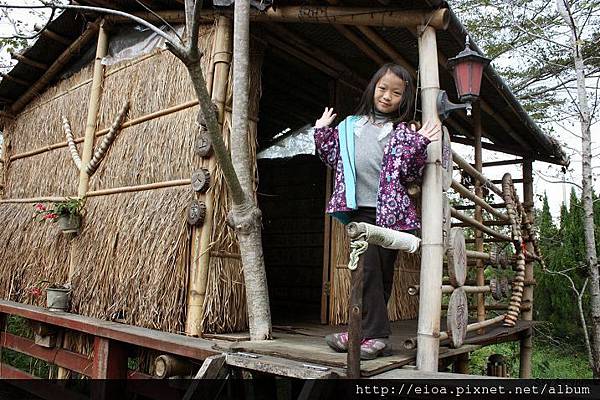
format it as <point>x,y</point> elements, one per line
<point>526,343</point>
<point>480,279</point>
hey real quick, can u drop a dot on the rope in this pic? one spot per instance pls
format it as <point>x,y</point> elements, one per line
<point>358,246</point>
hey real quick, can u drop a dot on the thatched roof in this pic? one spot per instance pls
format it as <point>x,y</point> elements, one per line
<point>505,122</point>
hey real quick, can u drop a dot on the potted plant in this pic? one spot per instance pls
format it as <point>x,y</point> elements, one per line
<point>67,213</point>
<point>57,295</point>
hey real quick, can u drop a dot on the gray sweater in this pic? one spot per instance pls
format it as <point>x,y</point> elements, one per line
<point>370,139</point>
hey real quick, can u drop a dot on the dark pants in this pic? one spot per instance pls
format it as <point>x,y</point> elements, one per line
<point>377,282</point>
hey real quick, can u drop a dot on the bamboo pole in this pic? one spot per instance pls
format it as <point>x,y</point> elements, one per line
<point>479,274</point>
<point>480,255</point>
<point>139,188</point>
<point>526,342</point>
<point>384,17</point>
<point>411,343</point>
<point>94,105</point>
<point>438,19</point>
<point>222,53</point>
<point>56,67</point>
<point>476,174</point>
<point>485,222</point>
<point>430,299</point>
<point>477,199</point>
<point>54,199</point>
<point>477,225</point>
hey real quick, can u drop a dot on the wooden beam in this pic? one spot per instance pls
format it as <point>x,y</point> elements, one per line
<point>309,48</point>
<point>64,358</point>
<point>438,19</point>
<point>52,35</point>
<point>4,114</point>
<point>387,48</point>
<point>502,162</point>
<point>361,44</point>
<point>56,67</point>
<point>384,17</point>
<point>13,79</point>
<point>28,61</point>
<point>197,349</point>
<point>477,225</point>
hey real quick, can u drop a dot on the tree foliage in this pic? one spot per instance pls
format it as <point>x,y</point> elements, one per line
<point>563,248</point>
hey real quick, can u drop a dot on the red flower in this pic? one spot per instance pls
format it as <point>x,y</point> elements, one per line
<point>36,292</point>
<point>40,207</point>
<point>50,216</point>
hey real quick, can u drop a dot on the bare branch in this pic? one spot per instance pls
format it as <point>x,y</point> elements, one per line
<point>174,42</point>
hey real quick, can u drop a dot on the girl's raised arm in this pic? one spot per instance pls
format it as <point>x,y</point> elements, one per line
<point>326,119</point>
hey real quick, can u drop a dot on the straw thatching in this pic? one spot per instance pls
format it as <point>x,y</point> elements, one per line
<point>406,273</point>
<point>40,124</point>
<point>131,259</point>
<point>31,252</point>
<point>225,303</point>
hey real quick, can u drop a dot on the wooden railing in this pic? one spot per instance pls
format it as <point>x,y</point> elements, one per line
<point>113,344</point>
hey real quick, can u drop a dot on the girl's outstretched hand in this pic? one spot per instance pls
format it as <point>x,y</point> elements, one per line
<point>326,119</point>
<point>431,131</point>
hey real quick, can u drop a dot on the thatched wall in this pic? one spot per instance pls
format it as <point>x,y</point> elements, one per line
<point>131,258</point>
<point>406,273</point>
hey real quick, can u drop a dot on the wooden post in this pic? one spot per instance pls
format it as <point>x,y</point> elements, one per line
<point>526,343</point>
<point>480,279</point>
<point>355,320</point>
<point>201,236</point>
<point>461,364</point>
<point>110,362</point>
<point>432,247</point>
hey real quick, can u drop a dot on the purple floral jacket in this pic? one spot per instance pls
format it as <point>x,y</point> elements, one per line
<point>403,162</point>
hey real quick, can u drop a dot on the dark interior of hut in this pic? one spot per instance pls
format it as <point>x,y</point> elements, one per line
<point>291,192</point>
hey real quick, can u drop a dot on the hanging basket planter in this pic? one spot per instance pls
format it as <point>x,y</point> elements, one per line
<point>57,298</point>
<point>69,223</point>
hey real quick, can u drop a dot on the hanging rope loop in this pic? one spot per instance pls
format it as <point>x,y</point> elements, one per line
<point>358,246</point>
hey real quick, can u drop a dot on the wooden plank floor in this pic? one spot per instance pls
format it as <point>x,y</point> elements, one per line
<point>304,342</point>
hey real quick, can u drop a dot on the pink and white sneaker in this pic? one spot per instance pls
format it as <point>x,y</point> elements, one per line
<point>338,341</point>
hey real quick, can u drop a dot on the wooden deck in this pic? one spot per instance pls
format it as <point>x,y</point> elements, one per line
<point>304,342</point>
<point>297,350</point>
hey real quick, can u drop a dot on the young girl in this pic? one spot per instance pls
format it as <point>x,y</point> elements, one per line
<point>375,155</point>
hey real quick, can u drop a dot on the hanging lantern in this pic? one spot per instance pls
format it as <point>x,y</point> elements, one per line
<point>467,69</point>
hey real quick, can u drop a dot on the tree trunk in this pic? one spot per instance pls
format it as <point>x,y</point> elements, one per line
<point>586,183</point>
<point>246,217</point>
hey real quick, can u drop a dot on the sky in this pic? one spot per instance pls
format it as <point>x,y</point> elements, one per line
<point>543,172</point>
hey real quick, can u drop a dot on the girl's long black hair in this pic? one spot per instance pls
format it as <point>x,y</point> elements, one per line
<point>366,106</point>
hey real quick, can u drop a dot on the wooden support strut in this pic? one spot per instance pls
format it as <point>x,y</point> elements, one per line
<point>466,193</point>
<point>476,174</point>
<point>28,61</point>
<point>478,225</point>
<point>411,343</point>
